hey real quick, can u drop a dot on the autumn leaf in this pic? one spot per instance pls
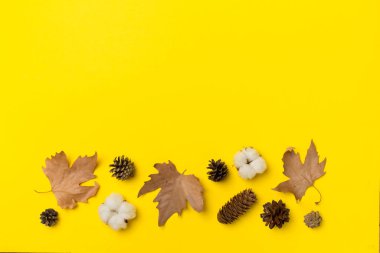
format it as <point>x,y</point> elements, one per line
<point>302,176</point>
<point>176,188</point>
<point>65,182</point>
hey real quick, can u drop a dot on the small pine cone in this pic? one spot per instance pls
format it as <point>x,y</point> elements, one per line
<point>313,219</point>
<point>218,170</point>
<point>49,217</point>
<point>236,206</point>
<point>275,214</point>
<point>122,168</point>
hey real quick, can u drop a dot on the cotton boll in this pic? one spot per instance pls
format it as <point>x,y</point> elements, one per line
<point>240,159</point>
<point>127,210</point>
<point>114,201</point>
<point>259,165</point>
<point>105,213</point>
<point>249,162</point>
<point>246,171</point>
<point>117,222</point>
<point>116,212</point>
<point>251,154</point>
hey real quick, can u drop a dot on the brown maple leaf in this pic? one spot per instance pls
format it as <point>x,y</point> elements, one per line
<point>176,188</point>
<point>302,176</point>
<point>65,182</point>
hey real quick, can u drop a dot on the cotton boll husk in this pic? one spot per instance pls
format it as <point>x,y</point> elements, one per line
<point>251,154</point>
<point>114,201</point>
<point>259,165</point>
<point>105,214</point>
<point>117,222</point>
<point>127,210</point>
<point>246,171</point>
<point>240,159</point>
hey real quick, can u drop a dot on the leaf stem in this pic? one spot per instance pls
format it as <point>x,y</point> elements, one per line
<point>320,195</point>
<point>43,191</point>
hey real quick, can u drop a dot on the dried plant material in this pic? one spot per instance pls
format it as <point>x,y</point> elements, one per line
<point>122,168</point>
<point>49,217</point>
<point>302,176</point>
<point>65,182</point>
<point>176,188</point>
<point>217,170</point>
<point>116,212</point>
<point>275,214</point>
<point>313,219</point>
<point>236,206</point>
<point>249,163</point>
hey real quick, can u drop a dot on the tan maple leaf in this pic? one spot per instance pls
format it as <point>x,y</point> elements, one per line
<point>302,176</point>
<point>176,188</point>
<point>66,182</point>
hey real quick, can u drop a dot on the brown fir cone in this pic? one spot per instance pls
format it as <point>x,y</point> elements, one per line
<point>275,214</point>
<point>313,219</point>
<point>122,168</point>
<point>218,170</point>
<point>49,217</point>
<point>236,206</point>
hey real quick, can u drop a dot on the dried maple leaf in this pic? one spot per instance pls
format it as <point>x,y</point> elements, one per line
<point>302,176</point>
<point>176,188</point>
<point>65,182</point>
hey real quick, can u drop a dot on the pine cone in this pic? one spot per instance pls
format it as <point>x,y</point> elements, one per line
<point>275,214</point>
<point>49,217</point>
<point>236,206</point>
<point>218,170</point>
<point>313,219</point>
<point>122,168</point>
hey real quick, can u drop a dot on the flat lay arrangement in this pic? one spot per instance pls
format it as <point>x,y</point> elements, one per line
<point>165,126</point>
<point>177,188</point>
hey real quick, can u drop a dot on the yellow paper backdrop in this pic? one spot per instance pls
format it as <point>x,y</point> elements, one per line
<point>190,81</point>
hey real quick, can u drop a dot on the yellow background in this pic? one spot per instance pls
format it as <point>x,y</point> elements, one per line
<point>190,81</point>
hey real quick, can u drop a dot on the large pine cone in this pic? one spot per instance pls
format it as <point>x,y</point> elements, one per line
<point>122,168</point>
<point>275,214</point>
<point>218,170</point>
<point>237,206</point>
